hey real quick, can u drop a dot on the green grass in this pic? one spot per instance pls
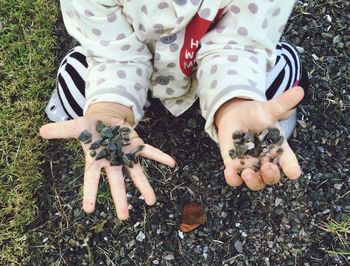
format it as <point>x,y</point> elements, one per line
<point>26,79</point>
<point>341,232</point>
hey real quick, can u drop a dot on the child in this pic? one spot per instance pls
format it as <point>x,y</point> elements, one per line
<point>224,52</point>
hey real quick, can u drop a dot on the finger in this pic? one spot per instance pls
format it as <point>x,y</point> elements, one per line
<point>62,129</point>
<point>270,173</point>
<point>252,179</point>
<point>142,184</point>
<point>289,162</point>
<point>91,180</point>
<point>157,155</point>
<point>117,186</point>
<point>279,106</point>
<point>232,178</point>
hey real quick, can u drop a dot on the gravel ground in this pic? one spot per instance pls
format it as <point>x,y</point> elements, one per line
<point>279,225</point>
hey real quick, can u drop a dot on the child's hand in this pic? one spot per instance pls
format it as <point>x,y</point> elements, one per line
<point>244,115</point>
<point>73,128</point>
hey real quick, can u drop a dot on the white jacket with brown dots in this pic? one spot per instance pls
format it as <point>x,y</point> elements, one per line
<point>179,49</point>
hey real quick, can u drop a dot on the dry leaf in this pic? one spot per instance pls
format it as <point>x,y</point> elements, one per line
<point>193,215</point>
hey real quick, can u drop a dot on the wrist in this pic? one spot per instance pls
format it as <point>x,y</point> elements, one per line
<point>111,111</point>
<point>226,108</point>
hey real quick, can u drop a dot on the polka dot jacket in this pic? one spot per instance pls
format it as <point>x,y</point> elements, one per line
<point>179,49</point>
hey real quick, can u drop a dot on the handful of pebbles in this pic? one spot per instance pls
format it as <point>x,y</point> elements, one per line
<point>254,144</point>
<point>112,140</point>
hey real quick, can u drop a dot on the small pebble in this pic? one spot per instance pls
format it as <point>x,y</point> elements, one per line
<point>85,136</point>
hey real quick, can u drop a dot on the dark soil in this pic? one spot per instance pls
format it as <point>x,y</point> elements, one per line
<point>279,225</point>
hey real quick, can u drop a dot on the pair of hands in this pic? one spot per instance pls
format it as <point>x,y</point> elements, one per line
<point>237,114</point>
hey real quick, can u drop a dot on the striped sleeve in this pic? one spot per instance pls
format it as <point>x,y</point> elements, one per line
<point>237,53</point>
<point>119,66</point>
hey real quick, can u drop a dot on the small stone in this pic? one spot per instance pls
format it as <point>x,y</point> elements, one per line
<point>250,146</point>
<point>263,134</point>
<point>140,237</point>
<point>239,246</point>
<point>111,147</point>
<point>273,135</point>
<point>224,214</point>
<point>232,153</point>
<point>101,154</point>
<point>181,234</point>
<point>125,130</point>
<point>85,136</point>
<point>95,145</point>
<point>338,186</point>
<point>249,137</point>
<point>169,256</point>
<point>72,242</point>
<point>92,153</point>
<point>278,201</point>
<point>100,125</point>
<point>107,132</point>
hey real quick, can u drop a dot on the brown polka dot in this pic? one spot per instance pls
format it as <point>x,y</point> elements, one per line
<point>174,47</point>
<point>254,59</point>
<point>121,74</point>
<point>126,47</point>
<point>235,9</point>
<point>112,17</point>
<point>209,43</point>
<point>269,52</point>
<point>281,29</point>
<point>144,9</point>
<point>200,73</point>
<point>142,27</point>
<point>142,47</point>
<point>163,5</point>
<point>205,13</point>
<point>95,31</point>
<point>249,48</point>
<point>156,56</point>
<point>138,86</point>
<point>254,71</point>
<point>179,19</point>
<point>220,29</point>
<point>171,65</point>
<point>101,68</point>
<point>88,13</point>
<point>104,43</point>
<point>139,72</point>
<point>120,36</point>
<point>100,81</point>
<point>77,14</point>
<point>213,69</point>
<point>276,12</point>
<point>180,101</point>
<point>232,72</point>
<point>264,24</point>
<point>172,78</point>
<point>214,84</point>
<point>252,83</point>
<point>232,58</point>
<point>169,91</point>
<point>158,26</point>
<point>253,8</point>
<point>242,31</point>
<point>232,42</point>
<point>195,2</point>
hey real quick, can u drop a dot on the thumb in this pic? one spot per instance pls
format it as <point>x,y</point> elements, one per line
<point>62,129</point>
<point>282,104</point>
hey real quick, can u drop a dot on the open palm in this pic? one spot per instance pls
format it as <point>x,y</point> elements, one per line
<point>72,129</point>
<point>245,115</point>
